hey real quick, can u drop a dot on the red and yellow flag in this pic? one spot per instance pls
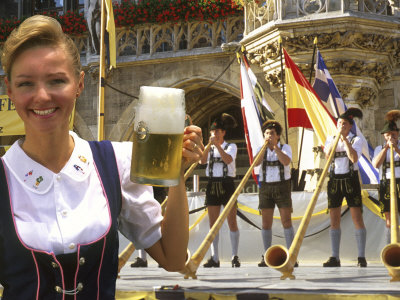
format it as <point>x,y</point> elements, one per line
<point>304,108</point>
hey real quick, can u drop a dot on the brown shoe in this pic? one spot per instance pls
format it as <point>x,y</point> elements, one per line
<point>139,263</point>
<point>211,263</point>
<point>262,262</point>
<point>362,262</point>
<point>235,262</point>
<point>332,262</point>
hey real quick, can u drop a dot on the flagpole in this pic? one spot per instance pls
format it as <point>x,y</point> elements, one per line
<point>311,73</point>
<point>283,89</point>
<point>100,122</point>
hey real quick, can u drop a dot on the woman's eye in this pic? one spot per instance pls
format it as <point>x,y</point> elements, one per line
<point>24,83</point>
<point>58,81</point>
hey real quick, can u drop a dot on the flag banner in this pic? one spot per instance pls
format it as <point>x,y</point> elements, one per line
<point>251,113</point>
<point>264,111</point>
<point>305,109</point>
<point>330,96</point>
<point>11,123</point>
<point>110,40</point>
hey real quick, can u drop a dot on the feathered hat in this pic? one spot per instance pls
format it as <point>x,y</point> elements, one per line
<point>390,121</point>
<point>224,122</point>
<point>272,124</point>
<point>351,113</point>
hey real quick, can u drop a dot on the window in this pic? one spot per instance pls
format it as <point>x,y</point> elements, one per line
<point>8,8</point>
<point>23,8</point>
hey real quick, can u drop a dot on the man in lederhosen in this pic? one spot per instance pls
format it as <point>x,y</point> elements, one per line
<point>344,182</point>
<point>221,170</point>
<point>275,185</point>
<point>381,160</point>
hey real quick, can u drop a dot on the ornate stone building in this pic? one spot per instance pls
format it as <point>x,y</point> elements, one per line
<point>359,40</point>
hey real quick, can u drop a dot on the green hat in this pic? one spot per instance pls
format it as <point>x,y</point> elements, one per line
<point>389,126</point>
<point>272,124</point>
<point>350,114</point>
<point>390,121</point>
<point>217,124</point>
<point>224,122</point>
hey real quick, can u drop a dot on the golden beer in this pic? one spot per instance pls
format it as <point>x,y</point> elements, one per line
<point>158,160</point>
<point>158,136</point>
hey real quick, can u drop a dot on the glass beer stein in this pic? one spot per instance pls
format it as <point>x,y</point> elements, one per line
<point>158,136</point>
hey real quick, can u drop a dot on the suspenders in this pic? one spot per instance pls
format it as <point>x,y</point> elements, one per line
<point>217,160</point>
<point>386,165</point>
<point>342,154</point>
<point>273,163</point>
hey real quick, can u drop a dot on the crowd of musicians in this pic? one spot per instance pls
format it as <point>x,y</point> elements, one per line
<point>275,183</point>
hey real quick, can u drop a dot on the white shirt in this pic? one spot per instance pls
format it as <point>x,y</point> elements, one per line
<point>272,172</point>
<point>218,168</point>
<point>57,212</point>
<point>396,158</point>
<point>342,163</point>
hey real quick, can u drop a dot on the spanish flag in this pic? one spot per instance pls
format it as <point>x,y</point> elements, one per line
<point>305,109</point>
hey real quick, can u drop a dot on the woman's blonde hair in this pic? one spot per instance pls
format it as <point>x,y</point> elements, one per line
<point>38,31</point>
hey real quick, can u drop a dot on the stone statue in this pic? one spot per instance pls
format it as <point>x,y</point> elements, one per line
<point>93,15</point>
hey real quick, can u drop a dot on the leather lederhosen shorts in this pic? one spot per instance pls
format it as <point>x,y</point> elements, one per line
<point>219,190</point>
<point>275,193</point>
<point>384,194</point>
<point>344,185</point>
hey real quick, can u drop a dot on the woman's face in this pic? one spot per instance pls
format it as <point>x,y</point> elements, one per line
<point>43,88</point>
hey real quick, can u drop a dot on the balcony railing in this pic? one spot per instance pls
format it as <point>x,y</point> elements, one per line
<point>259,13</point>
<point>150,41</point>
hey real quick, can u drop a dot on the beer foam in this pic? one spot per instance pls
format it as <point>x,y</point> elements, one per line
<point>161,109</point>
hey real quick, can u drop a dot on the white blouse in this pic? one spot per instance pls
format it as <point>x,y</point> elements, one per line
<point>57,212</point>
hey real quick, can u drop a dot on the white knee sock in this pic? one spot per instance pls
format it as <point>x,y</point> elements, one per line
<point>235,242</point>
<point>289,235</point>
<point>361,237</point>
<point>388,235</point>
<point>214,248</point>
<point>142,254</point>
<point>335,241</point>
<point>267,238</point>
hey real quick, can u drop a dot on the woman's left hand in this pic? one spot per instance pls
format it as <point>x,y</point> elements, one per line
<point>192,146</point>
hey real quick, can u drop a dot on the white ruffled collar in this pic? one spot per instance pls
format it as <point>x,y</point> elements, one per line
<point>39,179</point>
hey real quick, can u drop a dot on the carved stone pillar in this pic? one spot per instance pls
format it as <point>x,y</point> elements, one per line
<point>361,51</point>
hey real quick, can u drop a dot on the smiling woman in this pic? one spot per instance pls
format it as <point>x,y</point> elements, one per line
<point>64,199</point>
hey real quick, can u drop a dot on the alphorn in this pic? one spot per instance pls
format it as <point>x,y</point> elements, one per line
<point>390,254</point>
<point>194,262</point>
<point>277,256</point>
<point>128,251</point>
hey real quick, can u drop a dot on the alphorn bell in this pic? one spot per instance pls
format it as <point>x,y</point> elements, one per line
<point>124,256</point>
<point>277,256</point>
<point>390,254</point>
<point>194,262</point>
